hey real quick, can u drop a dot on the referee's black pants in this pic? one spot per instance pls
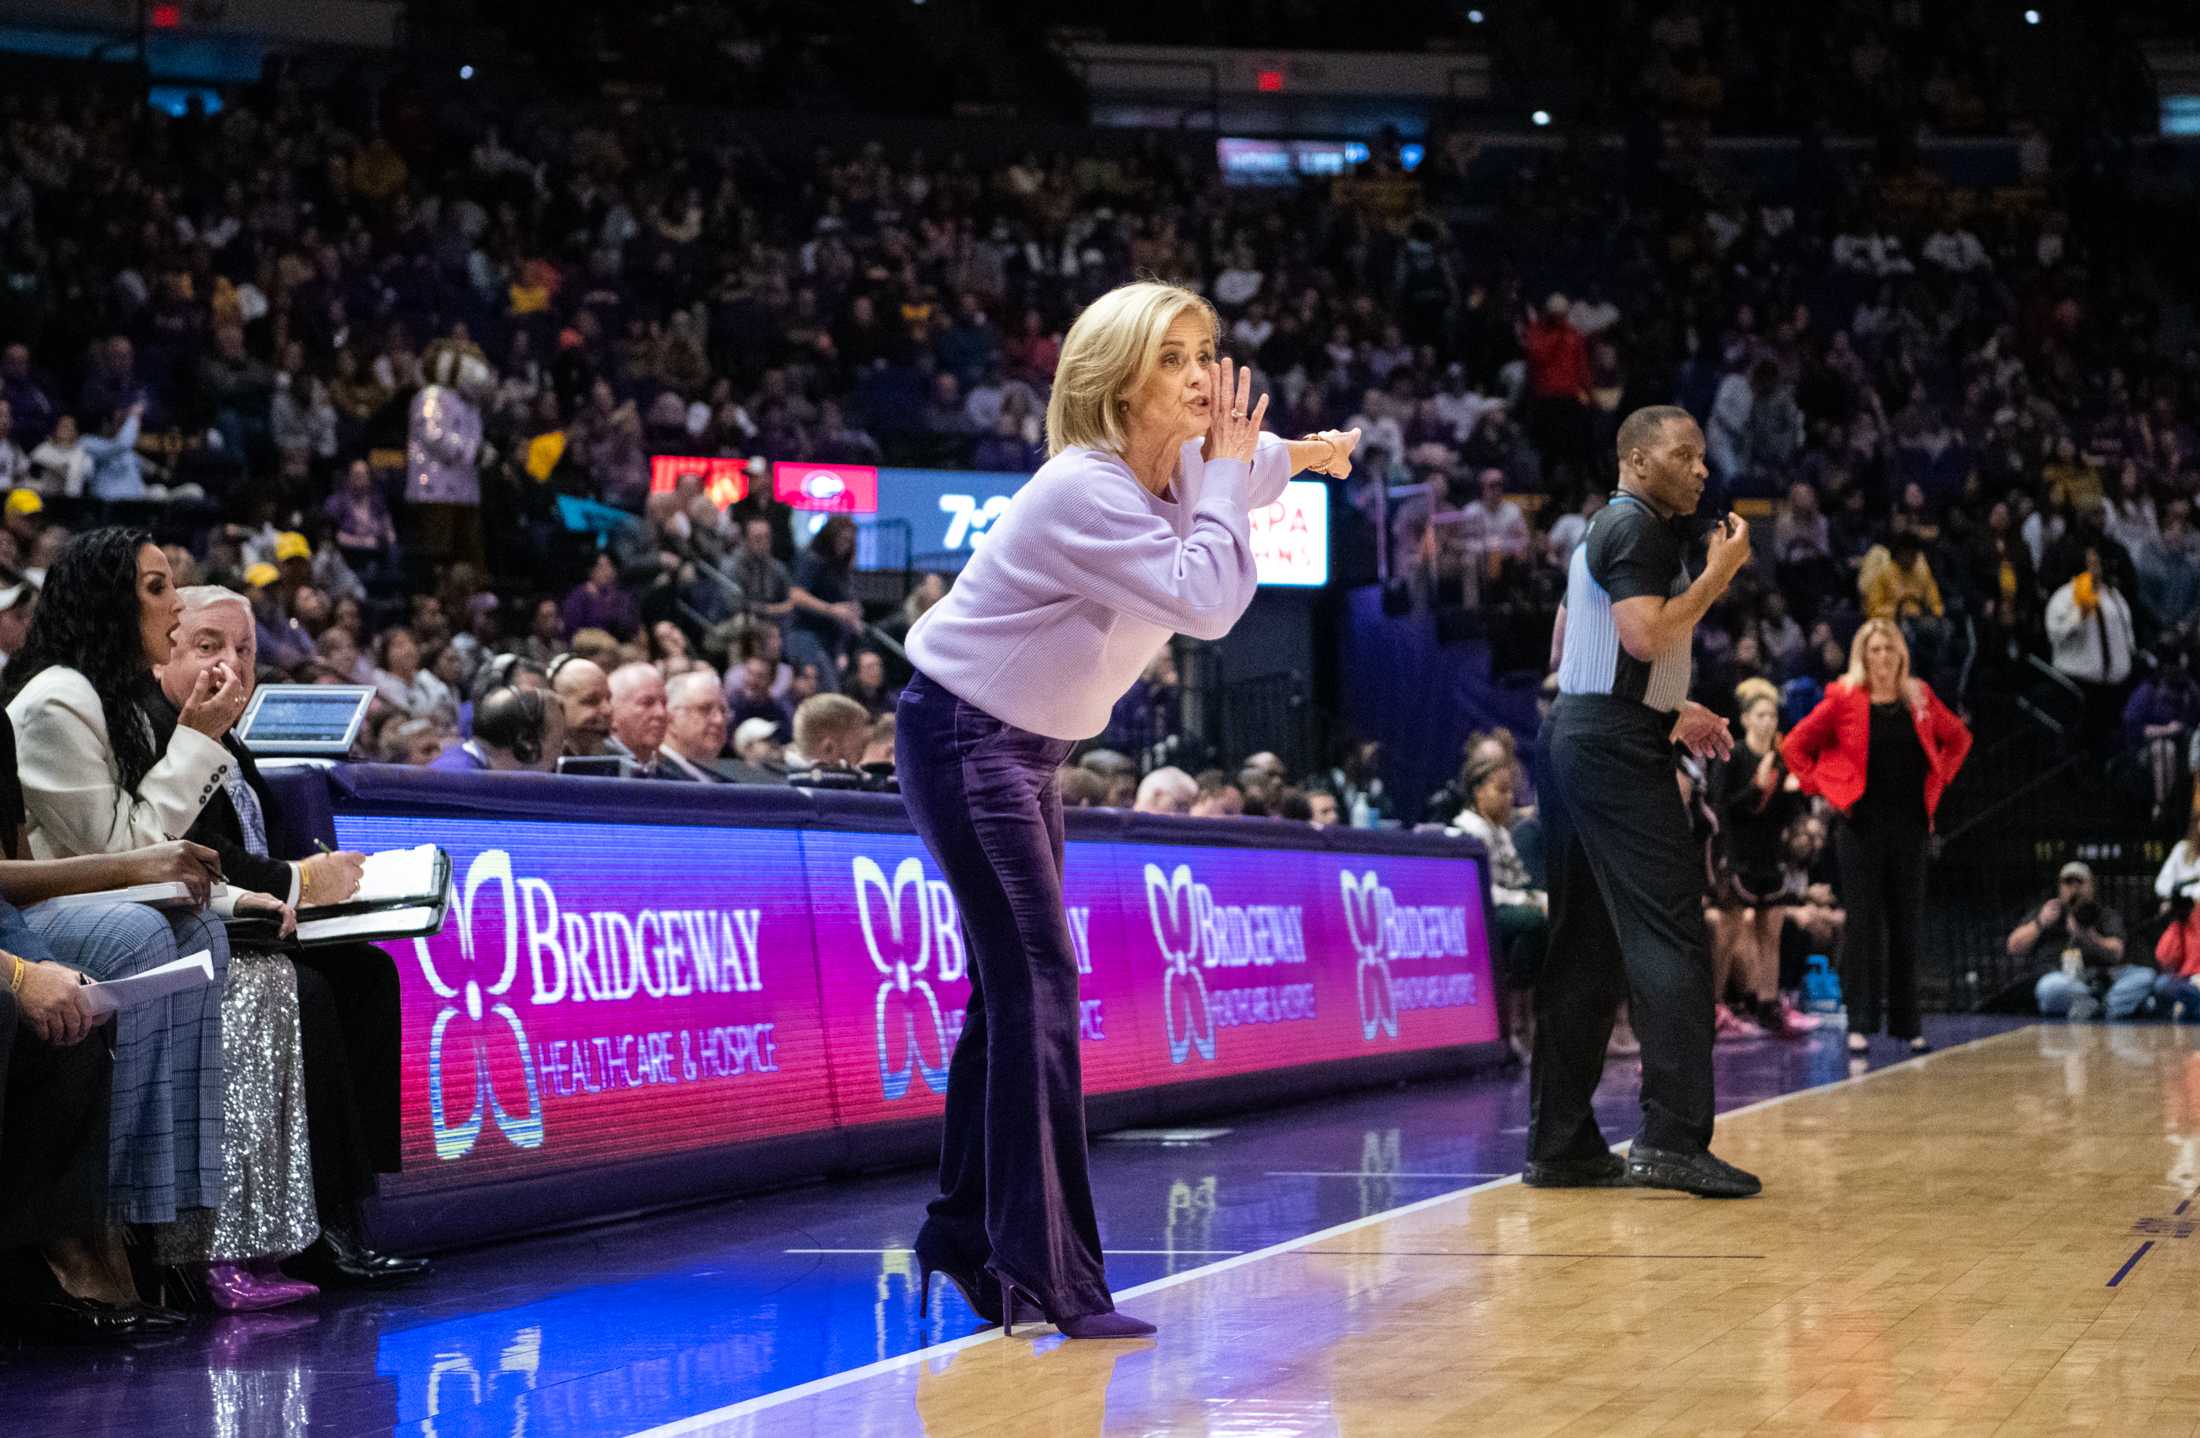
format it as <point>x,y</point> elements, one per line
<point>1627,888</point>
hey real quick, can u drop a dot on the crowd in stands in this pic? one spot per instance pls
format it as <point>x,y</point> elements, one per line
<point>349,358</point>
<point>1962,413</point>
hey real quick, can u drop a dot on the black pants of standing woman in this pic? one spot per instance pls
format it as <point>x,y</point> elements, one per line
<point>1883,889</point>
<point>1015,1192</point>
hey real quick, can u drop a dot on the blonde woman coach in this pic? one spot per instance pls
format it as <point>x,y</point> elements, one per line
<point>1137,527</point>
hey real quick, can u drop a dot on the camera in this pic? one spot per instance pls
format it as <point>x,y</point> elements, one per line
<point>2087,915</point>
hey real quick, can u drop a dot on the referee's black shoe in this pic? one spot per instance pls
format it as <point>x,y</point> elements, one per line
<point>1604,1170</point>
<point>1696,1173</point>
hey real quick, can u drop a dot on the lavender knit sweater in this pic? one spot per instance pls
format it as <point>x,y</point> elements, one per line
<point>1075,589</point>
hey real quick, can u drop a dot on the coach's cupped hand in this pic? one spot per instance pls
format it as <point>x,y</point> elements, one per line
<point>1235,428</point>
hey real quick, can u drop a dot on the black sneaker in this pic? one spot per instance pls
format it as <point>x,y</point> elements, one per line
<point>1696,1173</point>
<point>1603,1171</point>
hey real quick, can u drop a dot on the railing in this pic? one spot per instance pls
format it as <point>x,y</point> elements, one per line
<point>1273,712</point>
<point>2030,800</point>
<point>884,569</point>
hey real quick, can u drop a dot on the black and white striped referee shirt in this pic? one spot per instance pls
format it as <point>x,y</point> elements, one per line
<point>1628,552</point>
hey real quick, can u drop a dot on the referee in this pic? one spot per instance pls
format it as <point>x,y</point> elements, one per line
<point>1626,877</point>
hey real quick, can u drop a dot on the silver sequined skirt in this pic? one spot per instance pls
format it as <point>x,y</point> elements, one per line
<point>267,1208</point>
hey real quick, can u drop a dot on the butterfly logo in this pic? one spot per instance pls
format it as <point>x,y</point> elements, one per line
<point>1170,903</point>
<point>1363,924</point>
<point>476,1034</point>
<point>912,1032</point>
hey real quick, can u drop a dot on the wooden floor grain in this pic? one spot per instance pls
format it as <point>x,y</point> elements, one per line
<point>1933,1255</point>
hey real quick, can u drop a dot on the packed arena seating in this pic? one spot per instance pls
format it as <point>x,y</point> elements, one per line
<point>1876,354</point>
<point>394,364</point>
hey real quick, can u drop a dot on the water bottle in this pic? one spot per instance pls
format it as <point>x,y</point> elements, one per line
<point>1821,987</point>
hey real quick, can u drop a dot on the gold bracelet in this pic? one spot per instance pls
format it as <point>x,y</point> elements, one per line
<point>15,980</point>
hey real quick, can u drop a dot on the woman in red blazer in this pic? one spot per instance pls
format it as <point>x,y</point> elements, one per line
<point>1881,748</point>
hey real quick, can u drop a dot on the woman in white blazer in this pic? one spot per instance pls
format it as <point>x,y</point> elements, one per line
<point>94,784</point>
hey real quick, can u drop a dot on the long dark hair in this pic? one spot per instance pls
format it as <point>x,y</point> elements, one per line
<point>89,622</point>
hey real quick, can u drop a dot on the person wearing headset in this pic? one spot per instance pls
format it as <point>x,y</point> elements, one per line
<point>514,729</point>
<point>515,723</point>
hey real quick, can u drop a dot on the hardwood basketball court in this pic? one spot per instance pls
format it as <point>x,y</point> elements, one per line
<point>1995,1239</point>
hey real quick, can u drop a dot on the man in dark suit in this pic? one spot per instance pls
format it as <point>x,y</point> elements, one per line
<point>347,993</point>
<point>695,730</point>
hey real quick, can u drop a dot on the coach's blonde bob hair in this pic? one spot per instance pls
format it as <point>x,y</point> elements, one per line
<point>1856,676</point>
<point>1110,351</point>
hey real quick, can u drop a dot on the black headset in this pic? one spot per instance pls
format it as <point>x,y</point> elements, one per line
<point>513,723</point>
<point>502,671</point>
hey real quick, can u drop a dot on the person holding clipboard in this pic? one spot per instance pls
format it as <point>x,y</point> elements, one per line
<point>94,783</point>
<point>347,993</point>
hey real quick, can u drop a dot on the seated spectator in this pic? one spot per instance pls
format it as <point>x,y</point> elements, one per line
<point>1321,808</point>
<point>347,993</point>
<point>639,716</point>
<point>339,654</point>
<point>1218,798</point>
<point>1166,790</point>
<point>416,743</point>
<point>881,748</point>
<point>1150,713</point>
<point>2159,722</point>
<point>756,745</point>
<point>515,729</point>
<point>1814,923</point>
<point>1261,780</point>
<point>2177,952</point>
<point>360,527</point>
<point>868,685</point>
<point>75,1176</point>
<point>695,728</point>
<point>1567,530</point>
<point>831,731</point>
<point>600,602</point>
<point>583,692</point>
<point>18,603</point>
<point>1521,922</point>
<point>403,684</point>
<point>2083,942</point>
<point>826,616</point>
<point>1081,788</point>
<point>754,698</point>
<point>94,784</point>
<point>545,639</point>
<point>56,1077</point>
<point>599,648</point>
<point>61,466</point>
<point>29,395</point>
<point>1120,772</point>
<point>1494,529</point>
<point>765,582</point>
<point>1897,582</point>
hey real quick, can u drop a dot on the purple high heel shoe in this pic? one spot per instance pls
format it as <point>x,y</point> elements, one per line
<point>235,1288</point>
<point>1086,1325</point>
<point>933,1257</point>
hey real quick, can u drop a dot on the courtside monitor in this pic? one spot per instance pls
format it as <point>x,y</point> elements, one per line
<point>305,719</point>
